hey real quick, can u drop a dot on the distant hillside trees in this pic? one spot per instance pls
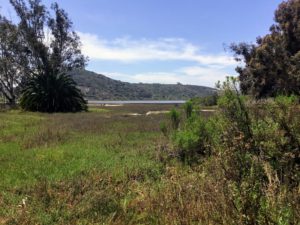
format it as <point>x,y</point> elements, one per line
<point>272,65</point>
<point>51,49</point>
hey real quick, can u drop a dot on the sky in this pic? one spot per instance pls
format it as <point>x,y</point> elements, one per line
<point>165,41</point>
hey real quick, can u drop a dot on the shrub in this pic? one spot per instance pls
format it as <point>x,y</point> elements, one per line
<point>232,106</point>
<point>188,108</point>
<point>175,118</point>
<point>211,100</point>
<point>192,141</point>
<point>252,151</point>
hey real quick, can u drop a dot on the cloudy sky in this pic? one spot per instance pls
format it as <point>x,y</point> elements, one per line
<point>165,41</point>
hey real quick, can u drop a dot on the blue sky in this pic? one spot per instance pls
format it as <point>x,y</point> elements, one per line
<point>165,41</point>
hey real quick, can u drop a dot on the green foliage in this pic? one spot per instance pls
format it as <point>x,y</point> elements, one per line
<point>272,65</point>
<point>257,150</point>
<point>286,101</point>
<point>52,93</point>
<point>210,100</point>
<point>10,58</point>
<point>192,141</point>
<point>233,107</point>
<point>175,118</point>
<point>287,155</point>
<point>37,69</point>
<point>188,108</point>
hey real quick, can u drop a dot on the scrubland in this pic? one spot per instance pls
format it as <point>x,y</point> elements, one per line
<point>106,166</point>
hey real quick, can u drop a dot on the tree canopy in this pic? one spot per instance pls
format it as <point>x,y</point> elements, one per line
<point>272,65</point>
<point>49,49</point>
<point>10,60</point>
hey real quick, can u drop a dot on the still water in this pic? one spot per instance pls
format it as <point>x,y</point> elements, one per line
<point>136,102</point>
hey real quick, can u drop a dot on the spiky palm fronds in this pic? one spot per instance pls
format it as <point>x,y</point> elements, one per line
<point>52,93</point>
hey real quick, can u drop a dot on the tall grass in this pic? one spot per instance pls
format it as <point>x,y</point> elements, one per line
<point>103,167</point>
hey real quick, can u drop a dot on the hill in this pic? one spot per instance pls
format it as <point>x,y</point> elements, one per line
<point>99,87</point>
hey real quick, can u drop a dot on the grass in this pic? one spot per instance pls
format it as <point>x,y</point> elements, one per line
<point>41,151</point>
<point>106,166</point>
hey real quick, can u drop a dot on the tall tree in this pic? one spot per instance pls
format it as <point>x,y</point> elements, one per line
<point>52,48</point>
<point>272,65</point>
<point>10,72</point>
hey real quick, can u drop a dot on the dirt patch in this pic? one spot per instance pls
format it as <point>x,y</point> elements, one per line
<point>208,110</point>
<point>156,112</point>
<point>134,114</point>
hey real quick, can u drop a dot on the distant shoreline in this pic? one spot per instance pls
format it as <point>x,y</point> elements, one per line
<point>95,102</point>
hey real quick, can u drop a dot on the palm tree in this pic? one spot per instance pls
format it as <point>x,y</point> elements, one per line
<point>52,93</point>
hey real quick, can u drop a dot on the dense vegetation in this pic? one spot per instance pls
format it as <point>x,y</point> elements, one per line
<point>97,86</point>
<point>234,163</point>
<point>272,65</point>
<point>36,54</point>
<point>9,73</point>
<point>250,154</point>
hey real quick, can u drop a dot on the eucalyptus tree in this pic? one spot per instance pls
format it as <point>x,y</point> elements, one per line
<point>52,49</point>
<point>10,60</point>
<point>272,65</point>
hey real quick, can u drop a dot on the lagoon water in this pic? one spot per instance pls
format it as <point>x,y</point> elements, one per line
<point>94,102</point>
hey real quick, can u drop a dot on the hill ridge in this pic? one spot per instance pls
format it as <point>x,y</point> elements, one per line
<point>99,87</point>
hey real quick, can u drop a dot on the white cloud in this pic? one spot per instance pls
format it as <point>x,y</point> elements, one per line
<point>147,77</point>
<point>199,71</point>
<point>196,75</point>
<point>207,69</point>
<point>207,76</point>
<point>129,50</point>
<point>160,77</point>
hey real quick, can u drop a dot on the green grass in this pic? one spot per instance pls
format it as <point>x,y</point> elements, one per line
<point>53,148</point>
<point>107,167</point>
<point>65,152</point>
<point>98,109</point>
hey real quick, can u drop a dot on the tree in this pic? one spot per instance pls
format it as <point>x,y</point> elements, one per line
<point>53,49</point>
<point>272,65</point>
<point>10,73</point>
<point>43,94</point>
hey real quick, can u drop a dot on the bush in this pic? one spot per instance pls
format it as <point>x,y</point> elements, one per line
<point>192,141</point>
<point>188,108</point>
<point>175,118</point>
<point>211,100</point>
<point>252,151</point>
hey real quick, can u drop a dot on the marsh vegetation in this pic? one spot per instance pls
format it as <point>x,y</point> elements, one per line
<point>230,158</point>
<point>106,166</point>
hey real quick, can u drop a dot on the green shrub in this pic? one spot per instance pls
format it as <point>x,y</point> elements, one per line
<point>257,150</point>
<point>210,100</point>
<point>175,118</point>
<point>232,106</point>
<point>192,141</point>
<point>188,108</point>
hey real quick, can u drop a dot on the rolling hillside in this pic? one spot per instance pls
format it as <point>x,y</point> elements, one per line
<point>99,87</point>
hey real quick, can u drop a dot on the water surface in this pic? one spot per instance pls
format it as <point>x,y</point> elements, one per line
<point>137,102</point>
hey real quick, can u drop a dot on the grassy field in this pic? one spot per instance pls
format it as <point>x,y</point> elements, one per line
<point>113,165</point>
<point>79,168</point>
